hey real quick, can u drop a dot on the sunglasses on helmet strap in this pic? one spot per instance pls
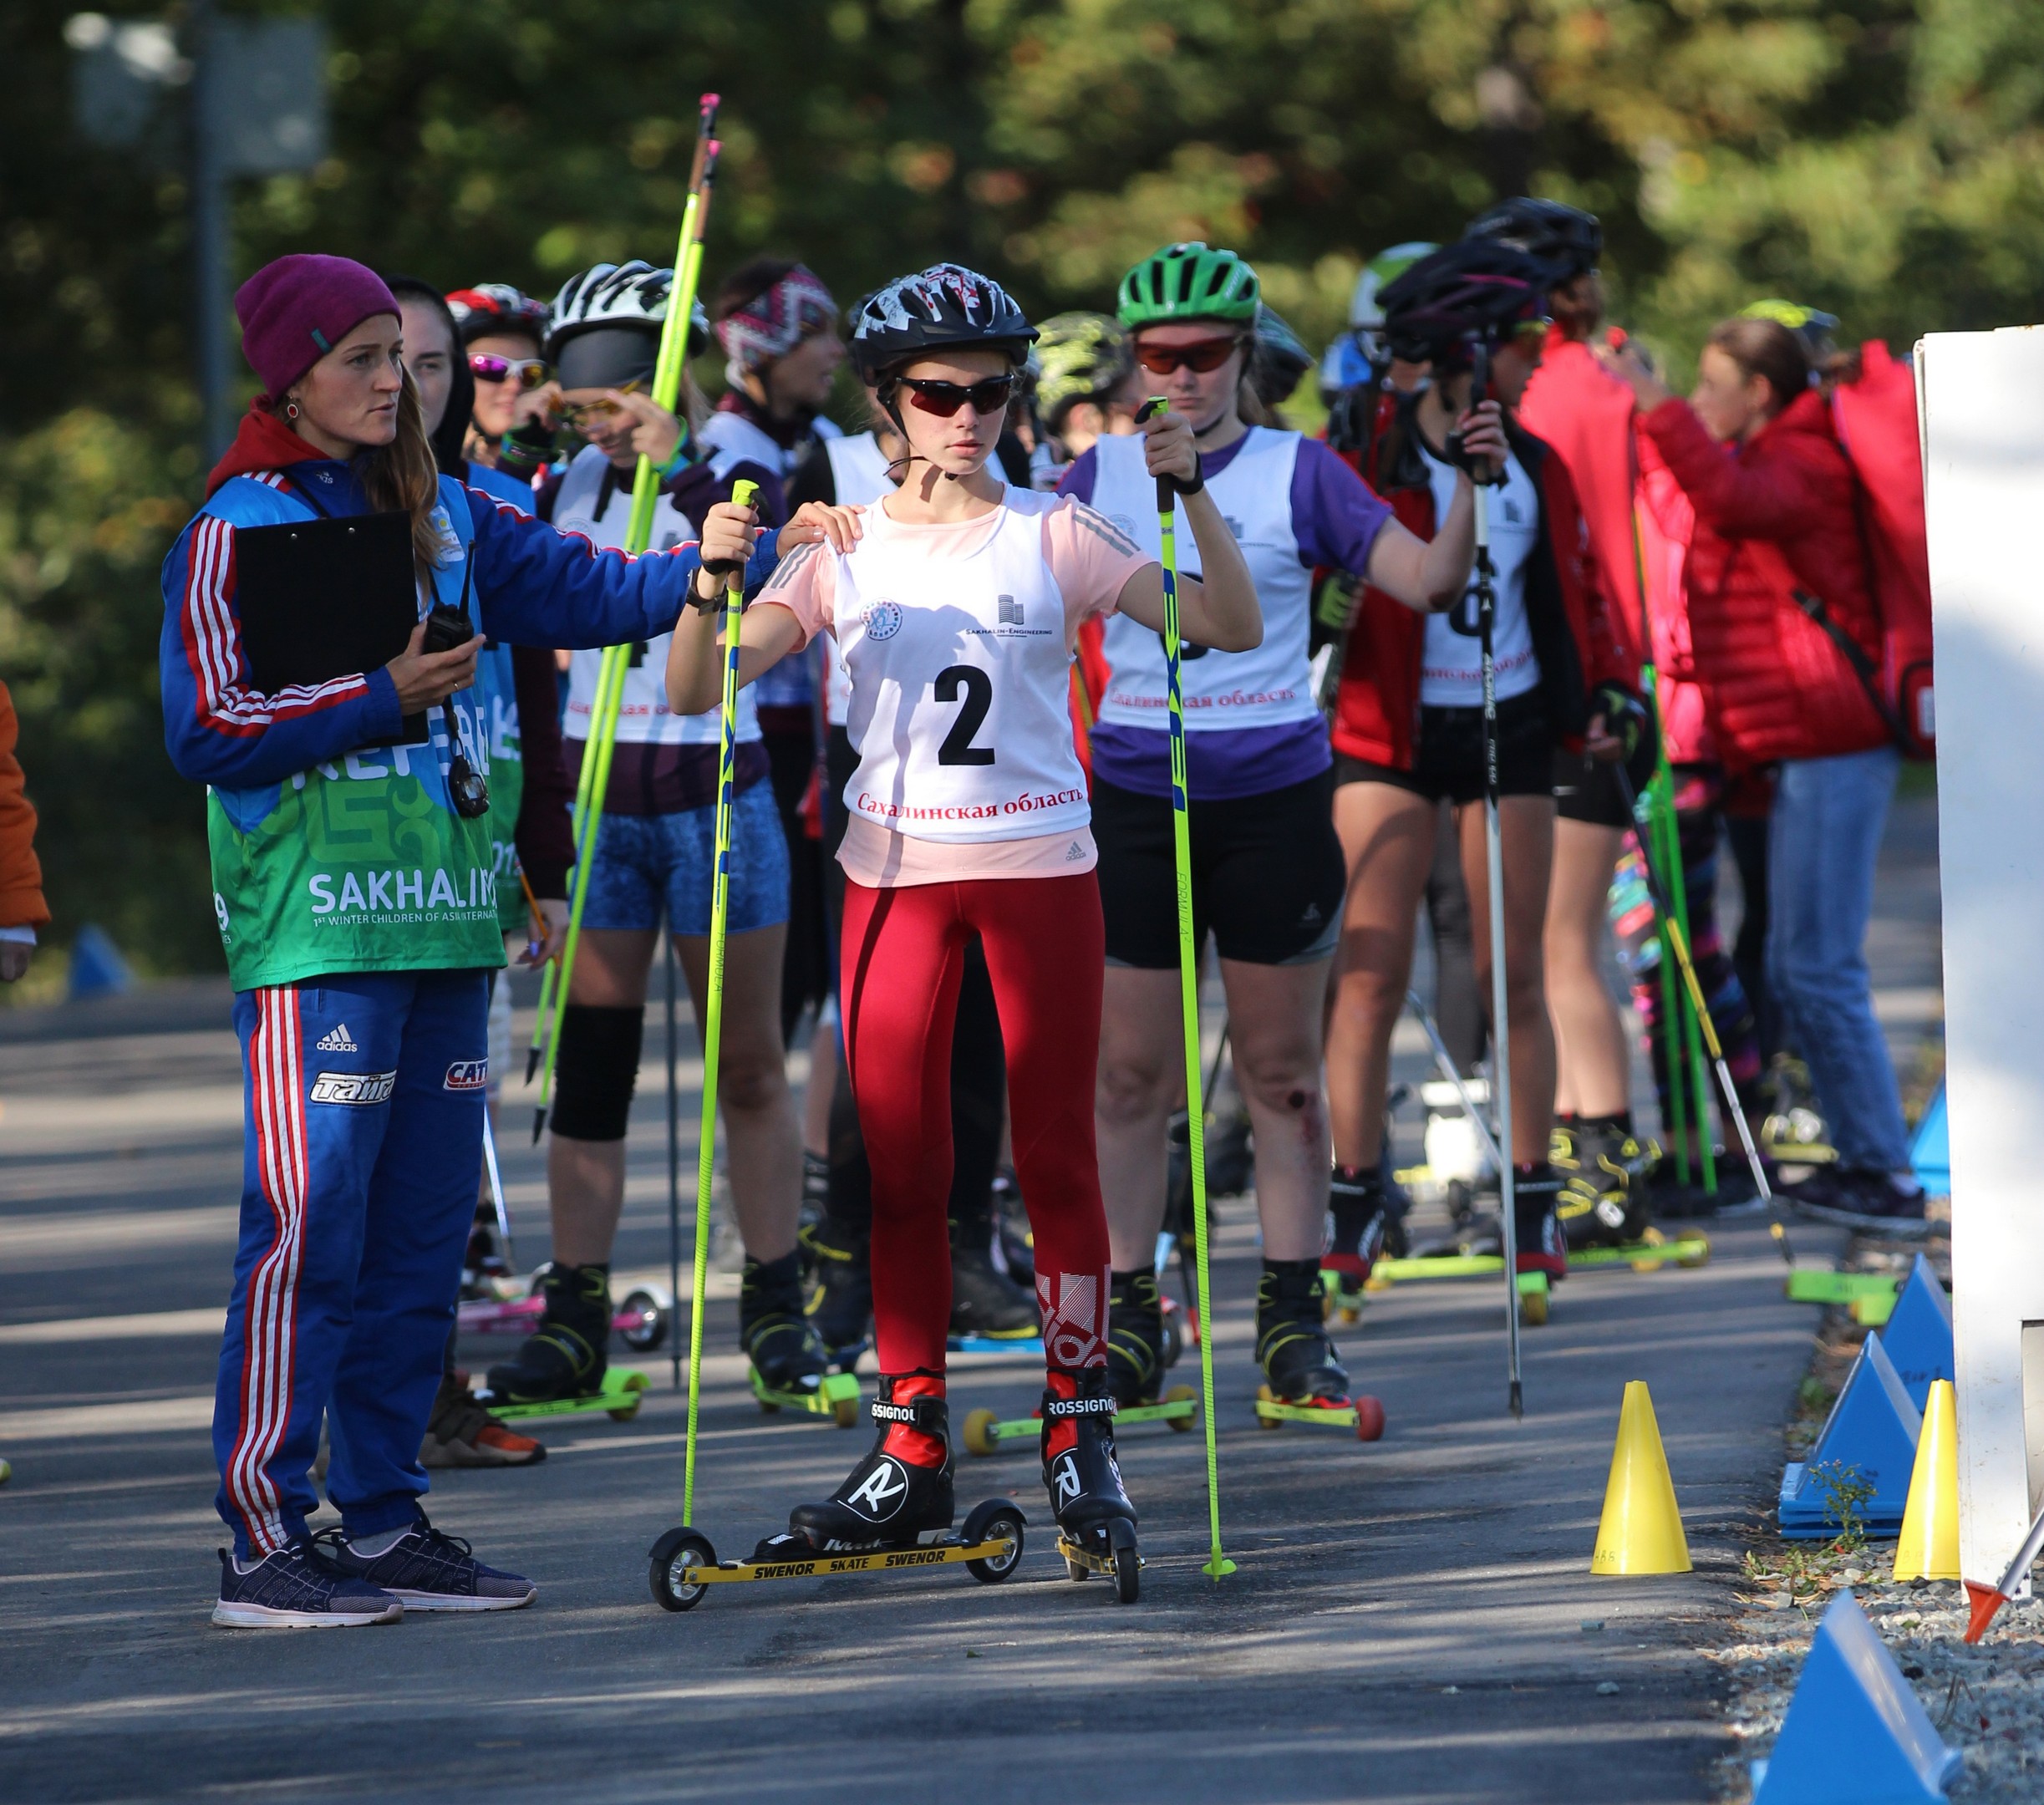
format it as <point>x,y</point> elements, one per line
<point>944,399</point>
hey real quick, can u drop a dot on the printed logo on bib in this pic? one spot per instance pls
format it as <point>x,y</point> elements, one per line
<point>468,1074</point>
<point>360,1090</point>
<point>878,1496</point>
<point>882,620</point>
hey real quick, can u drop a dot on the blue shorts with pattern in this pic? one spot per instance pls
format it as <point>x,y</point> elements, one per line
<point>643,862</point>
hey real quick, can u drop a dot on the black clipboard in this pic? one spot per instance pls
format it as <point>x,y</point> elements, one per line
<point>325,598</point>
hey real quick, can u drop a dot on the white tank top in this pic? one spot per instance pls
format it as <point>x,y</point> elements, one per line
<point>1270,686</point>
<point>959,675</point>
<point>858,477</point>
<point>643,715</point>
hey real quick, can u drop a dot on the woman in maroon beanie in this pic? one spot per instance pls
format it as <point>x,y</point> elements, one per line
<point>355,898</point>
<point>1776,541</point>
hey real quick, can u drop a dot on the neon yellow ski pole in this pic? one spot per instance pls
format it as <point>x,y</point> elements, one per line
<point>713,1005</point>
<point>597,750</point>
<point>1217,1564</point>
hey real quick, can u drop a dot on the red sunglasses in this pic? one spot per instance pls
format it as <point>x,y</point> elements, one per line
<point>1205,356</point>
<point>945,398</point>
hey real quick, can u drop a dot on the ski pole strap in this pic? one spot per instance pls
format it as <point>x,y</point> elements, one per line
<point>1056,1407</point>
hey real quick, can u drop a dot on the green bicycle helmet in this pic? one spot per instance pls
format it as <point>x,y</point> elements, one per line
<point>1083,355</point>
<point>1188,281</point>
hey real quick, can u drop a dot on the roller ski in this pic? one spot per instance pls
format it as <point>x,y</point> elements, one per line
<point>893,1512</point>
<point>563,1367</point>
<point>789,1366</point>
<point>840,1304</point>
<point>1304,1380</point>
<point>642,1320</point>
<point>1096,1522</point>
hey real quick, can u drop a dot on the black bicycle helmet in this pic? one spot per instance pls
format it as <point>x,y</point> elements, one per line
<point>1565,236</point>
<point>1277,358</point>
<point>1464,294</point>
<point>944,307</point>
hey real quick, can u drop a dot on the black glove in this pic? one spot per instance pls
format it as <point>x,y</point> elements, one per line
<point>1624,716</point>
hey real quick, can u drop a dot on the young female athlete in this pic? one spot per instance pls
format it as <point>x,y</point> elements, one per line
<point>1266,866</point>
<point>653,861</point>
<point>1409,721</point>
<point>955,602</point>
<point>356,955</point>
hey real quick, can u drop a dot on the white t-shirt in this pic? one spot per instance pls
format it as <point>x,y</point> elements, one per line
<point>858,477</point>
<point>1452,668</point>
<point>737,438</point>
<point>642,713</point>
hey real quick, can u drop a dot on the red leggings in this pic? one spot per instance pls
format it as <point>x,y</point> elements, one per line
<point>902,957</point>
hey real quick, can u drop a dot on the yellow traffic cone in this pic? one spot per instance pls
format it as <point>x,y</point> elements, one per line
<point>1929,1548</point>
<point>1641,1532</point>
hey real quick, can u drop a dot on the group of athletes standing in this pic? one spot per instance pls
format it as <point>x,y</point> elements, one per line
<point>955,617</point>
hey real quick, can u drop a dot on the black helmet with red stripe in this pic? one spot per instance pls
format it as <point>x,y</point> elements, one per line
<point>493,306</point>
<point>946,307</point>
<point>1463,295</point>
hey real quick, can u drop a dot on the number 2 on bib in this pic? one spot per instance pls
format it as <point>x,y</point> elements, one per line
<point>977,689</point>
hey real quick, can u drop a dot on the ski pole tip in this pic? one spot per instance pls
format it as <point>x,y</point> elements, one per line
<point>539,1125</point>
<point>1218,1568</point>
<point>1519,1402</point>
<point>1984,1602</point>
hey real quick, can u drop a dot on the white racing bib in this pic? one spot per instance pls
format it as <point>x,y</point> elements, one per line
<point>858,479</point>
<point>1269,686</point>
<point>643,714</point>
<point>959,672</point>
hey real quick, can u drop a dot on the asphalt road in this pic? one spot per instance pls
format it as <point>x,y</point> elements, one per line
<point>1413,1620</point>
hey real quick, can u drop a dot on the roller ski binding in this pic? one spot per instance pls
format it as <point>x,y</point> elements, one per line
<point>1096,1524</point>
<point>840,1305</point>
<point>893,1512</point>
<point>790,1367</point>
<point>1303,1377</point>
<point>564,1365</point>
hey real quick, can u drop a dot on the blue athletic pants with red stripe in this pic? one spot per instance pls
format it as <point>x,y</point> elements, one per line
<point>363,1140</point>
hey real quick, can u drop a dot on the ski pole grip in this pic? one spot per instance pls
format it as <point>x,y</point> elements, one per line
<point>1167,489</point>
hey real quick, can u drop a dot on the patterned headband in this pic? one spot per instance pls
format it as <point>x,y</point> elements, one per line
<point>773,322</point>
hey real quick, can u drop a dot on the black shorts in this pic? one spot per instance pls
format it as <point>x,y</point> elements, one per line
<point>1268,875</point>
<point>1586,789</point>
<point>1448,761</point>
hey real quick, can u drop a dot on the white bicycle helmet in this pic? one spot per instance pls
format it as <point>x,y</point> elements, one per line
<point>618,294</point>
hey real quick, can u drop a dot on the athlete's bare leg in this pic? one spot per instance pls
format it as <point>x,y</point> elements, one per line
<point>1589,1038</point>
<point>1526,826</point>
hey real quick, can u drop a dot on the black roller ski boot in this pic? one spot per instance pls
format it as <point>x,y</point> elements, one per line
<point>816,1200</point>
<point>1138,1349</point>
<point>1603,1171</point>
<point>568,1355</point>
<point>840,1306</point>
<point>899,1495</point>
<point>986,1304</point>
<point>788,1357</point>
<point>1366,1209</point>
<point>1096,1524</point>
<point>1301,1364</point>
<point>1536,1211</point>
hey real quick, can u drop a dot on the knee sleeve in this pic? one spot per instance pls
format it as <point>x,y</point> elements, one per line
<point>595,1071</point>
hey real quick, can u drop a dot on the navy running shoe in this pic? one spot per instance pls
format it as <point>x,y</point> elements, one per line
<point>1875,1203</point>
<point>295,1588</point>
<point>427,1571</point>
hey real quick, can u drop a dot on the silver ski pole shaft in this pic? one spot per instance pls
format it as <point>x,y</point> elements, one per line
<point>674,1165</point>
<point>1501,1027</point>
<point>496,1186</point>
<point>1446,1062</point>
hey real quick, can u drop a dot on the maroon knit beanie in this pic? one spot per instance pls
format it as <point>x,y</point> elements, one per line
<point>294,311</point>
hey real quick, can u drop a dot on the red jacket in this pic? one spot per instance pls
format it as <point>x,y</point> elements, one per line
<point>1377,708</point>
<point>1778,514</point>
<point>21,877</point>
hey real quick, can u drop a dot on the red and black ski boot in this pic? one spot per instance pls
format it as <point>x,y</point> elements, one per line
<point>900,1494</point>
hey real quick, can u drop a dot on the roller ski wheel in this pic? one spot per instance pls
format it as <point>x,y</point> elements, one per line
<point>832,1394</point>
<point>684,1566</point>
<point>645,1313</point>
<point>984,1433</point>
<point>1095,1521</point>
<point>618,1396</point>
<point>1533,1299</point>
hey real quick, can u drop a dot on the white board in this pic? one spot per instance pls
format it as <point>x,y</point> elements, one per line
<point>1981,402</point>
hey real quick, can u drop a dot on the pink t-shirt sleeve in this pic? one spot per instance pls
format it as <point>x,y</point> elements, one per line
<point>1091,557</point>
<point>806,585</point>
